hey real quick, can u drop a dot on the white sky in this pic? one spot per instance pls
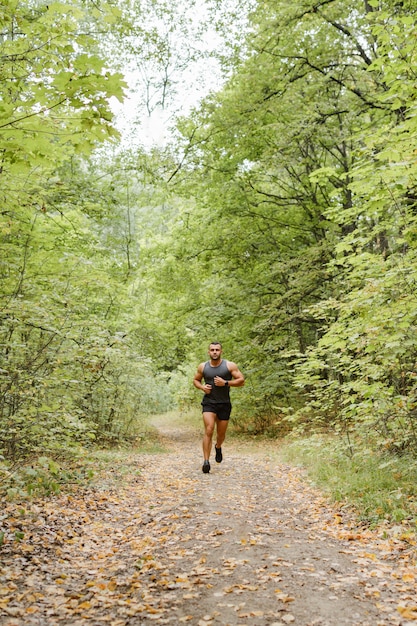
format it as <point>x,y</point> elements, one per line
<point>193,82</point>
<point>136,125</point>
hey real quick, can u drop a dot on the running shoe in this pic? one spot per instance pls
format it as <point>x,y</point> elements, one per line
<point>206,467</point>
<point>219,456</point>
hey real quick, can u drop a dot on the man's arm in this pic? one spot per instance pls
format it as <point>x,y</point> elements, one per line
<point>238,379</point>
<point>198,377</point>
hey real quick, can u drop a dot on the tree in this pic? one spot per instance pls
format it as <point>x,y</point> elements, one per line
<point>55,92</point>
<point>362,372</point>
<point>265,158</point>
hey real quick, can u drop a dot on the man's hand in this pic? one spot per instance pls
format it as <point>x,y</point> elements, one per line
<point>206,388</point>
<point>219,382</point>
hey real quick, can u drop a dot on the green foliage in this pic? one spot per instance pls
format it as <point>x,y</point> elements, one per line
<point>380,486</point>
<point>55,91</point>
<point>248,253</point>
<point>71,368</point>
<point>43,476</point>
<point>70,371</point>
<point>295,239</point>
<point>281,221</point>
<point>361,375</point>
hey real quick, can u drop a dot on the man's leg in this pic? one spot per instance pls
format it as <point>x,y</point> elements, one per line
<point>221,431</point>
<point>209,422</point>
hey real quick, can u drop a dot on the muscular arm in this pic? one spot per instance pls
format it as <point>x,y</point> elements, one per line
<point>198,377</point>
<point>238,378</point>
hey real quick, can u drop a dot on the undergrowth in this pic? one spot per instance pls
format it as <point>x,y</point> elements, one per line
<point>51,472</point>
<point>381,486</point>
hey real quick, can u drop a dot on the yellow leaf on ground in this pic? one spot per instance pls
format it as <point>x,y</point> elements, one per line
<point>408,578</point>
<point>85,605</point>
<point>408,612</point>
<point>32,609</point>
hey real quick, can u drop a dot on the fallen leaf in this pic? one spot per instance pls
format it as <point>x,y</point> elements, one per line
<point>408,612</point>
<point>84,605</point>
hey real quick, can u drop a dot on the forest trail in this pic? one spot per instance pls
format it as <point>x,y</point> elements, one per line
<point>157,541</point>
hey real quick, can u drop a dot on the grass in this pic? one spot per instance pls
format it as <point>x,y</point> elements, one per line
<point>381,487</point>
<point>50,473</point>
<point>190,420</point>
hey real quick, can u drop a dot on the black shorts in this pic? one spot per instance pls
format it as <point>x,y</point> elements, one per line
<point>222,410</point>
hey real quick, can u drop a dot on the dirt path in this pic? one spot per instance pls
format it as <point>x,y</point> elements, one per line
<point>158,541</point>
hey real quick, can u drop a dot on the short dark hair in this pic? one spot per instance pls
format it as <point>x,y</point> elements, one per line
<point>215,343</point>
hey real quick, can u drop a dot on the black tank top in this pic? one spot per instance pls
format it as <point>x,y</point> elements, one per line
<point>217,394</point>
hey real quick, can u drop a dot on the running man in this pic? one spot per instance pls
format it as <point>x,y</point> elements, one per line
<point>219,375</point>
